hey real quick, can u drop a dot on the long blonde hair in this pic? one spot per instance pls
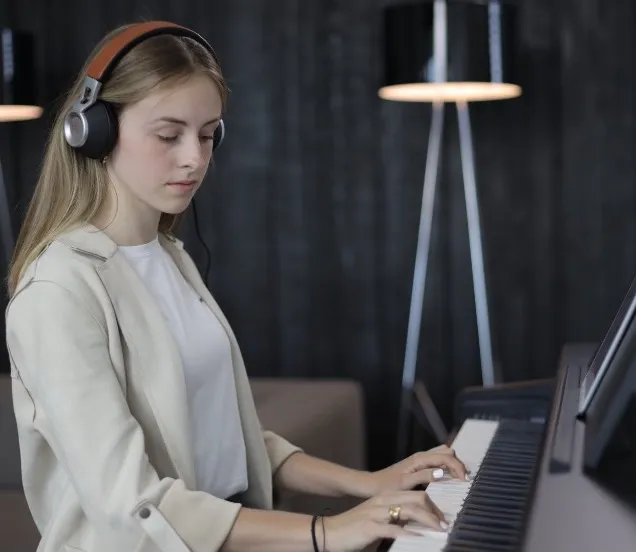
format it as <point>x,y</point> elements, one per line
<point>71,188</point>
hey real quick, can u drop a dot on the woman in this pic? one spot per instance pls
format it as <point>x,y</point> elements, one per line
<point>137,427</point>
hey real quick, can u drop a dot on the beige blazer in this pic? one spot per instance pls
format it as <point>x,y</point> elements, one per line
<point>101,409</point>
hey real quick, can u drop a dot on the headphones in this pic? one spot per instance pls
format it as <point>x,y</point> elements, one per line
<point>91,125</point>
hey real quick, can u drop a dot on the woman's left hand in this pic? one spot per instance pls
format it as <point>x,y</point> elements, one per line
<point>418,469</point>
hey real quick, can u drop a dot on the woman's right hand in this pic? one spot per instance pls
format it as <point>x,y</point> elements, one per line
<point>370,521</point>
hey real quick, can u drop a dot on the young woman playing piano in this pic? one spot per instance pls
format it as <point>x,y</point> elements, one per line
<point>137,427</point>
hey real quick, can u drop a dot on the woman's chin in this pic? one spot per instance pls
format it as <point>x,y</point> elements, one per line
<point>176,207</point>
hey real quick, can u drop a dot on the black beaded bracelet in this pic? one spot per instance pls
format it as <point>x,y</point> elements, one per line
<point>313,530</point>
<point>313,533</point>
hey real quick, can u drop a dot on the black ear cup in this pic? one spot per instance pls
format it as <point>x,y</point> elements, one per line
<point>219,135</point>
<point>101,130</point>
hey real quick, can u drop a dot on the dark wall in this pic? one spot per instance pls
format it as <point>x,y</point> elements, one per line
<point>312,211</point>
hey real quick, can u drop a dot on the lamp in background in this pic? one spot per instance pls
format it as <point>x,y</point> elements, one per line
<point>17,103</point>
<point>441,51</point>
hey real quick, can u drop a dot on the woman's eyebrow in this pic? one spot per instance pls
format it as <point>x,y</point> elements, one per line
<point>176,121</point>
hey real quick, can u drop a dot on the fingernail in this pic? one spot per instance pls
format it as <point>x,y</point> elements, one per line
<point>443,525</point>
<point>469,477</point>
<point>438,473</point>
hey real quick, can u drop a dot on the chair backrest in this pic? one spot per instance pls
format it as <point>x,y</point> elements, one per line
<point>10,473</point>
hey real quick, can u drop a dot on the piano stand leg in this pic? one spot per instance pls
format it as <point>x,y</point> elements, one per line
<point>489,377</point>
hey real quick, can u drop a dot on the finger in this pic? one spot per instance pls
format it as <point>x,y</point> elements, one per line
<point>436,510</point>
<point>436,460</point>
<point>448,469</point>
<point>443,449</point>
<point>430,459</point>
<point>423,477</point>
<point>456,467</point>
<point>413,513</point>
<point>419,499</point>
<point>384,531</point>
<point>401,497</point>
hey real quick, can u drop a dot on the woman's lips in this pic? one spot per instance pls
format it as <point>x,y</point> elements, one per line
<point>185,184</point>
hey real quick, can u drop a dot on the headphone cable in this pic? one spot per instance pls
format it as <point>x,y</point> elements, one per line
<point>200,238</point>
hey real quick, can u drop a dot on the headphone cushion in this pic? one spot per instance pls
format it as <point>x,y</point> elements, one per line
<point>102,130</point>
<point>219,135</point>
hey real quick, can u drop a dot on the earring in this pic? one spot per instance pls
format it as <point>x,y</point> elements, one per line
<point>104,159</point>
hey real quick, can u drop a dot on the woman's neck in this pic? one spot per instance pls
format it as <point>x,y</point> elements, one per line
<point>127,221</point>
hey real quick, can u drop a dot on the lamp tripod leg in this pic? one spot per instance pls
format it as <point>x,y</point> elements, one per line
<point>476,250</point>
<point>6,221</point>
<point>419,276</point>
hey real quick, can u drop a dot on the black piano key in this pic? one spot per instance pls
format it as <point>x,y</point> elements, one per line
<point>512,450</point>
<point>497,494</point>
<point>490,513</point>
<point>468,546</point>
<point>512,462</point>
<point>498,483</point>
<point>494,479</point>
<point>507,469</point>
<point>482,521</point>
<point>505,484</point>
<point>485,537</point>
<point>492,500</point>
<point>491,529</point>
<point>497,479</point>
<point>499,507</point>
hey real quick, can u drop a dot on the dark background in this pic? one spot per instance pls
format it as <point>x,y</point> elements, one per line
<point>312,210</point>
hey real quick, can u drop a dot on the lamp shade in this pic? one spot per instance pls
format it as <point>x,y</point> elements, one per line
<point>18,84</point>
<point>449,50</point>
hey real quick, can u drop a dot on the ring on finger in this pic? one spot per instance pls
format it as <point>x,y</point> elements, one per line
<point>394,514</point>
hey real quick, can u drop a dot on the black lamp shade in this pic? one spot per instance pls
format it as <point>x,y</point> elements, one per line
<point>18,100</point>
<point>468,57</point>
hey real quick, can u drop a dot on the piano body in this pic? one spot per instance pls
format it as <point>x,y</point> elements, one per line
<point>530,492</point>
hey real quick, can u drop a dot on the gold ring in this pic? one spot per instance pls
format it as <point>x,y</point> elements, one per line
<point>394,514</point>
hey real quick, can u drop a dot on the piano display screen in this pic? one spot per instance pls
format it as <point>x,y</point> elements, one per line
<point>605,352</point>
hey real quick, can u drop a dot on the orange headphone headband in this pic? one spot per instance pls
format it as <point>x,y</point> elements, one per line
<point>130,37</point>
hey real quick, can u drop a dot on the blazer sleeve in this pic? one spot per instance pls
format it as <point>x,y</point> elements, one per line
<point>60,353</point>
<point>278,449</point>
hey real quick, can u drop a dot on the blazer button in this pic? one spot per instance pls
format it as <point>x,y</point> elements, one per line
<point>144,513</point>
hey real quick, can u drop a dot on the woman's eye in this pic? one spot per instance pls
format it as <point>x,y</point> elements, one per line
<point>167,138</point>
<point>207,138</point>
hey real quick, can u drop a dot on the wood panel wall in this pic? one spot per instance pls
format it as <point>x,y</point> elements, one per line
<point>312,210</point>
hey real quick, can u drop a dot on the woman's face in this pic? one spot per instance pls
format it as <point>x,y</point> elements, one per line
<point>165,146</point>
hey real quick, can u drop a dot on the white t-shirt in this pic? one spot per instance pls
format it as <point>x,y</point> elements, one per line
<point>217,435</point>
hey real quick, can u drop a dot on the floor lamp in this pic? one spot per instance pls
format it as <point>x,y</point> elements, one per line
<point>441,51</point>
<point>17,103</point>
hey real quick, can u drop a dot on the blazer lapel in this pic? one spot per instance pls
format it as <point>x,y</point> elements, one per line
<point>155,352</point>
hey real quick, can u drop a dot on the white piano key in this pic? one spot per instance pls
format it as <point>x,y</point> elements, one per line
<point>470,445</point>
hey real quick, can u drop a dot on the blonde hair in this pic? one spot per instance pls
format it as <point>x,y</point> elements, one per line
<point>72,188</point>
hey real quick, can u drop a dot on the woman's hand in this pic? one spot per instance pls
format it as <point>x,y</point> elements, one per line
<point>418,469</point>
<point>371,521</point>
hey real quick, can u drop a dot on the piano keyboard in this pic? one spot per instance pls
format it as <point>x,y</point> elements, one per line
<point>487,513</point>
